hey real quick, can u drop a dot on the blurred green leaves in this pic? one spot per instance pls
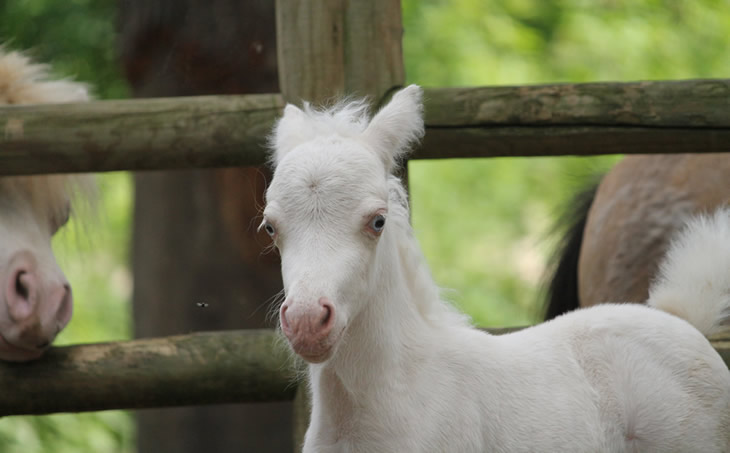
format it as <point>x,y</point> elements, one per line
<point>93,251</point>
<point>100,432</point>
<point>482,223</point>
<point>77,37</point>
<point>480,42</point>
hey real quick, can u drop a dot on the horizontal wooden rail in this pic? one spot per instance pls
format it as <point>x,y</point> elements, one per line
<point>201,368</point>
<point>136,134</point>
<point>220,131</point>
<point>683,103</point>
<point>580,119</point>
<point>195,369</point>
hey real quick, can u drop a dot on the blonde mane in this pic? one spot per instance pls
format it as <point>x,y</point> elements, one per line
<point>24,82</point>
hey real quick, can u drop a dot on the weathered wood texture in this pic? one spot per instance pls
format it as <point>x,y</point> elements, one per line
<point>684,103</point>
<point>200,368</point>
<point>215,131</point>
<point>332,47</point>
<point>583,119</point>
<point>164,133</point>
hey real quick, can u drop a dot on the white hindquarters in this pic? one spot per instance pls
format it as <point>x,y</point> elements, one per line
<point>694,278</point>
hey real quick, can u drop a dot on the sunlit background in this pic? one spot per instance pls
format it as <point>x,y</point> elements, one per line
<point>482,223</point>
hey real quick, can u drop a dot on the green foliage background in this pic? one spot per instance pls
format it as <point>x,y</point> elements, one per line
<point>482,223</point>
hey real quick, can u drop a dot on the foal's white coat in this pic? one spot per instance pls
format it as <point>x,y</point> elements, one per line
<point>395,369</point>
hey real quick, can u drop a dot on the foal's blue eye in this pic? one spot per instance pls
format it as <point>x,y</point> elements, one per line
<point>377,223</point>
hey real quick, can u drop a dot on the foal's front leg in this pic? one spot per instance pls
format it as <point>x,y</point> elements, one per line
<point>314,442</point>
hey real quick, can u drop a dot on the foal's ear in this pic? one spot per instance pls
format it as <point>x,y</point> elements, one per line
<point>397,125</point>
<point>290,130</point>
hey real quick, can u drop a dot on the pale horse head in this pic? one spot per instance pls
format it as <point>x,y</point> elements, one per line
<point>327,211</point>
<point>35,296</point>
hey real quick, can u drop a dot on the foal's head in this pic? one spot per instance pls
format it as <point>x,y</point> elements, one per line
<point>327,209</point>
<point>35,297</point>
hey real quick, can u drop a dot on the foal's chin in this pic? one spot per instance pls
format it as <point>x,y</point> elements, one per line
<point>316,359</point>
<point>314,353</point>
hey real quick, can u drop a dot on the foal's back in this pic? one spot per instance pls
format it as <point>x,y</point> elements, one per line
<point>613,378</point>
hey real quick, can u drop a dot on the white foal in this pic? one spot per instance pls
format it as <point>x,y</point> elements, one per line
<point>393,368</point>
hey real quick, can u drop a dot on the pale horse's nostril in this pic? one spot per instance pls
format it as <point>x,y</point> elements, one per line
<point>22,285</point>
<point>21,292</point>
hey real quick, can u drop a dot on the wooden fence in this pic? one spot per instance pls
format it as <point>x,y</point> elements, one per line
<point>219,131</point>
<point>325,48</point>
<point>241,366</point>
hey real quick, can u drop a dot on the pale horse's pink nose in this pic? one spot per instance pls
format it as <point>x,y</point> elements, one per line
<point>307,326</point>
<point>38,310</point>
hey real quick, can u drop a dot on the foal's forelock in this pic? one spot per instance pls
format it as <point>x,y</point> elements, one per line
<point>347,119</point>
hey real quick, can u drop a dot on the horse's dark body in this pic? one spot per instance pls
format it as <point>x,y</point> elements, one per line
<point>615,231</point>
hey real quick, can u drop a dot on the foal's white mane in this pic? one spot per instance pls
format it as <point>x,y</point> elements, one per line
<point>426,293</point>
<point>25,82</point>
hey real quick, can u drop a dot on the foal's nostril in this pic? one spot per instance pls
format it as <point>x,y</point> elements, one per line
<point>329,311</point>
<point>282,316</point>
<point>21,287</point>
<point>327,315</point>
<point>43,345</point>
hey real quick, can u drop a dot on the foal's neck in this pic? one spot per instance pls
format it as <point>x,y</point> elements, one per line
<point>393,328</point>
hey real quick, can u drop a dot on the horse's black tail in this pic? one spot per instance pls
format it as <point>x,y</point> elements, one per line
<point>561,276</point>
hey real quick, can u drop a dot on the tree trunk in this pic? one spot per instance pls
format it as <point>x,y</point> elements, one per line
<point>198,262</point>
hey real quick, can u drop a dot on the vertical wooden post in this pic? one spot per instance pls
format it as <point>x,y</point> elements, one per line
<point>332,47</point>
<point>329,48</point>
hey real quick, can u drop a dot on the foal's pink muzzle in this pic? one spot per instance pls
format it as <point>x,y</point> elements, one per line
<point>308,327</point>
